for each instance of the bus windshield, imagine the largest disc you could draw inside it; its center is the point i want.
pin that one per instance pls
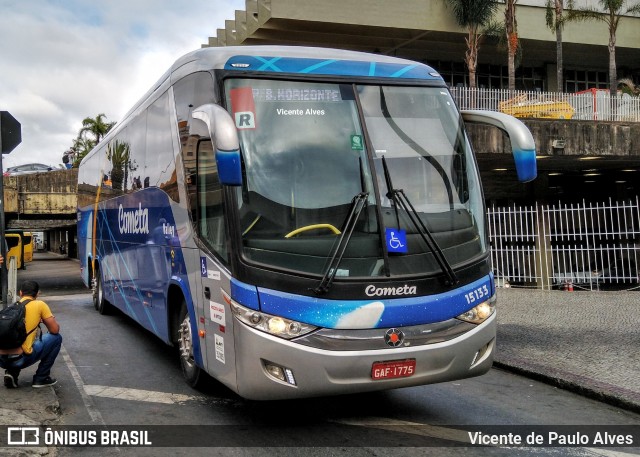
(310, 150)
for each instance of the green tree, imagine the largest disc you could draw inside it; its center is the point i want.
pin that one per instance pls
(81, 147)
(96, 127)
(610, 12)
(92, 131)
(627, 86)
(474, 16)
(556, 20)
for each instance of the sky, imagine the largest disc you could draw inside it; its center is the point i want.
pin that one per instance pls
(64, 60)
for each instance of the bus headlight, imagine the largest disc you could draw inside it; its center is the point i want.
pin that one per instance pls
(479, 313)
(274, 325)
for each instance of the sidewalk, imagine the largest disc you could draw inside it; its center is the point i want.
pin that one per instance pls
(586, 342)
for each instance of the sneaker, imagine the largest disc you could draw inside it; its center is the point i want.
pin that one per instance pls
(48, 381)
(10, 379)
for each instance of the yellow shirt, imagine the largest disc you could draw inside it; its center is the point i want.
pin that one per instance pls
(35, 312)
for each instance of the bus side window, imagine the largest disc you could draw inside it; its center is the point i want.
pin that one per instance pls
(160, 169)
(12, 241)
(211, 224)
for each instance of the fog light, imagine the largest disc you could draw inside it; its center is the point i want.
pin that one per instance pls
(482, 354)
(275, 371)
(280, 373)
(290, 379)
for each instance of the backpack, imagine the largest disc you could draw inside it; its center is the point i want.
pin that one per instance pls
(13, 330)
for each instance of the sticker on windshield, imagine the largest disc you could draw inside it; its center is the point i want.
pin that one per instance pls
(396, 240)
(243, 108)
(356, 143)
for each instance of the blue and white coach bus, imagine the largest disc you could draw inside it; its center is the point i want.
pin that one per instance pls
(298, 222)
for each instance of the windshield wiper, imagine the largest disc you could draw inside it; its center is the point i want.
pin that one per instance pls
(357, 204)
(401, 200)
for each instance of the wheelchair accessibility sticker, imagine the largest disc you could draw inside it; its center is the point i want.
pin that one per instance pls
(396, 240)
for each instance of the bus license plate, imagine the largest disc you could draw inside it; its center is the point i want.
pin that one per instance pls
(393, 369)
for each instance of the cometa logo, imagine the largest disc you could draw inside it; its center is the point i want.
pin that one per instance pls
(373, 291)
(133, 222)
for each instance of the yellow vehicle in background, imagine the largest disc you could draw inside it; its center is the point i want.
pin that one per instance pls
(536, 107)
(20, 245)
(27, 246)
(15, 248)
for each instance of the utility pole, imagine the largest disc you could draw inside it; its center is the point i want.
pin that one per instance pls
(10, 137)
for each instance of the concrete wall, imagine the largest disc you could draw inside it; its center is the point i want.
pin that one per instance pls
(587, 137)
(50, 193)
(581, 138)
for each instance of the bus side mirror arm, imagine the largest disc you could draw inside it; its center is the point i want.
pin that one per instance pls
(522, 144)
(213, 121)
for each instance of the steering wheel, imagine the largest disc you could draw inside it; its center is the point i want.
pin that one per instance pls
(313, 227)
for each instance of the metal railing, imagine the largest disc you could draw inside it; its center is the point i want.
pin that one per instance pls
(591, 104)
(588, 245)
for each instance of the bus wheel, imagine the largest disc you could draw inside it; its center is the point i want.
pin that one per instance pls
(192, 373)
(99, 302)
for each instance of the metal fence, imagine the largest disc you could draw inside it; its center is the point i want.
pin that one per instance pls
(591, 104)
(589, 246)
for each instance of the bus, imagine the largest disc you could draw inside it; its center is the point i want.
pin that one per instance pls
(22, 241)
(15, 248)
(298, 222)
(27, 245)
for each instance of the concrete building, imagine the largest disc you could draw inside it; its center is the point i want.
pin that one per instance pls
(426, 30)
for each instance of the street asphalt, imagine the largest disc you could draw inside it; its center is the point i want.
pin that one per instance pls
(585, 342)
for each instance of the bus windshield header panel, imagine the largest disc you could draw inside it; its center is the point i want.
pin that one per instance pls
(339, 67)
(317, 199)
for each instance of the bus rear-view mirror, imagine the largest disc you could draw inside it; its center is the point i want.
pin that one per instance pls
(522, 144)
(214, 122)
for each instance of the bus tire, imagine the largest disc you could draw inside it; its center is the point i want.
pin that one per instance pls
(99, 302)
(192, 373)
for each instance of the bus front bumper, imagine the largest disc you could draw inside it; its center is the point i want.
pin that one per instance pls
(312, 372)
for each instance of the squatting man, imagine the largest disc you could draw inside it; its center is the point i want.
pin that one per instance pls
(43, 348)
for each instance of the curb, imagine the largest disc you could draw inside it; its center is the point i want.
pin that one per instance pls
(581, 385)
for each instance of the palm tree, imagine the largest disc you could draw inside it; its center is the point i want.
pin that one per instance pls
(511, 31)
(611, 12)
(627, 86)
(555, 21)
(81, 147)
(472, 15)
(96, 127)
